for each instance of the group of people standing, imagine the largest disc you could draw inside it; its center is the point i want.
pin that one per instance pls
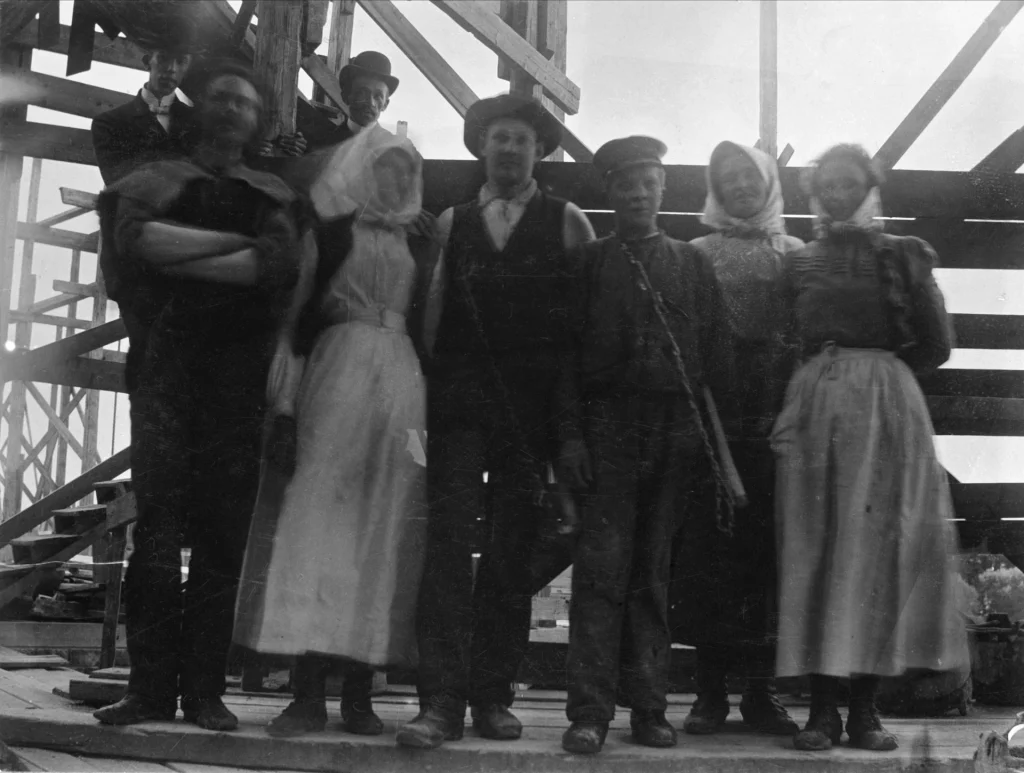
(293, 352)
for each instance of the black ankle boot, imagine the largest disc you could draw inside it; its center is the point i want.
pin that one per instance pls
(763, 711)
(824, 727)
(863, 725)
(357, 715)
(708, 713)
(308, 712)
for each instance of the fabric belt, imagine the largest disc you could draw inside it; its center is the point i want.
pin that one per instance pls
(376, 316)
(832, 353)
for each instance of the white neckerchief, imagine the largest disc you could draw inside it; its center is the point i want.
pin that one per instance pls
(160, 108)
(501, 216)
(356, 128)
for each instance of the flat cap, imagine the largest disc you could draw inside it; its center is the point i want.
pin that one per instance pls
(481, 114)
(626, 152)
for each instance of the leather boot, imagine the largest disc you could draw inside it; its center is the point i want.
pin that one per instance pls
(824, 727)
(763, 711)
(863, 725)
(308, 712)
(431, 728)
(585, 737)
(209, 713)
(650, 728)
(357, 715)
(134, 708)
(708, 713)
(497, 723)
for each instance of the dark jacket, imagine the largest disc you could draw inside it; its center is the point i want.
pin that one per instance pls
(618, 343)
(129, 136)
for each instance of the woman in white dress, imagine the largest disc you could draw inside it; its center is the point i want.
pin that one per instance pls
(334, 562)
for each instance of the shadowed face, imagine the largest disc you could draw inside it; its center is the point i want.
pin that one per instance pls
(230, 110)
(166, 70)
(841, 186)
(741, 186)
(510, 149)
(394, 171)
(635, 195)
(367, 97)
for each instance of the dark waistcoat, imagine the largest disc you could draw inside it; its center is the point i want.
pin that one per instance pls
(520, 293)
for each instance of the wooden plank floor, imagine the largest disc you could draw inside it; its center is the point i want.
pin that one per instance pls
(33, 719)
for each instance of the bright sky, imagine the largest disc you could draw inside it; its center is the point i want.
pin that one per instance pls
(687, 72)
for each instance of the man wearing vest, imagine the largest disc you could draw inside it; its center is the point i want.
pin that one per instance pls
(496, 327)
(632, 440)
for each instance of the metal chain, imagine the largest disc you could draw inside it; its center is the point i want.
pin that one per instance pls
(724, 501)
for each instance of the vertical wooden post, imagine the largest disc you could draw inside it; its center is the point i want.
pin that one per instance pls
(552, 36)
(339, 41)
(769, 112)
(277, 59)
(10, 185)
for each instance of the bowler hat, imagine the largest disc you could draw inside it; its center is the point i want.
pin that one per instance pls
(175, 34)
(371, 63)
(481, 114)
(626, 152)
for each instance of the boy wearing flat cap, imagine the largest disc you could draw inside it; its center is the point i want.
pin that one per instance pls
(632, 442)
(495, 328)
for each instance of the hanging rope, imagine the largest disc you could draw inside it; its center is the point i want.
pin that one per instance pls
(724, 500)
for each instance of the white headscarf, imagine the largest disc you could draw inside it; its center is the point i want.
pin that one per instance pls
(767, 222)
(348, 182)
(865, 218)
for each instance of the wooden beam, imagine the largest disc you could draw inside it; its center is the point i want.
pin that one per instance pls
(56, 302)
(61, 217)
(46, 141)
(948, 82)
(241, 24)
(276, 60)
(58, 237)
(65, 496)
(769, 77)
(1008, 156)
(437, 70)
(490, 30)
(119, 51)
(20, 367)
(67, 96)
(952, 382)
(339, 40)
(100, 375)
(989, 331)
(324, 80)
(977, 415)
(82, 199)
(58, 423)
(44, 319)
(91, 290)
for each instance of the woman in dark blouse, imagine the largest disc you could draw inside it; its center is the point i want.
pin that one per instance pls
(866, 551)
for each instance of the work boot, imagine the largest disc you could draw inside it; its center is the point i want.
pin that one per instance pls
(650, 728)
(496, 722)
(299, 718)
(824, 727)
(431, 728)
(209, 713)
(863, 725)
(134, 708)
(708, 713)
(357, 715)
(763, 711)
(585, 737)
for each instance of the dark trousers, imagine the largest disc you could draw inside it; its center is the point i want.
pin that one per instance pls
(196, 424)
(647, 459)
(472, 640)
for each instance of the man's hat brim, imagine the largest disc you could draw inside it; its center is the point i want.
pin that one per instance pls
(628, 152)
(481, 114)
(351, 71)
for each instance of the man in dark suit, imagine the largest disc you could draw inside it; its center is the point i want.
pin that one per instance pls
(156, 125)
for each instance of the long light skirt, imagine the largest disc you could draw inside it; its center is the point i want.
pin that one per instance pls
(867, 557)
(333, 564)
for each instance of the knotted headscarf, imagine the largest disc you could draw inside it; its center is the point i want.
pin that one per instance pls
(768, 221)
(866, 218)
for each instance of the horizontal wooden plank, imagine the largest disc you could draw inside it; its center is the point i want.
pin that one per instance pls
(85, 373)
(90, 290)
(65, 95)
(988, 501)
(76, 198)
(49, 319)
(119, 51)
(28, 635)
(48, 142)
(989, 331)
(974, 383)
(23, 366)
(11, 659)
(58, 237)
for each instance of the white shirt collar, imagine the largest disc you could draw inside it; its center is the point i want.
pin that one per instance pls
(356, 128)
(489, 194)
(157, 105)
